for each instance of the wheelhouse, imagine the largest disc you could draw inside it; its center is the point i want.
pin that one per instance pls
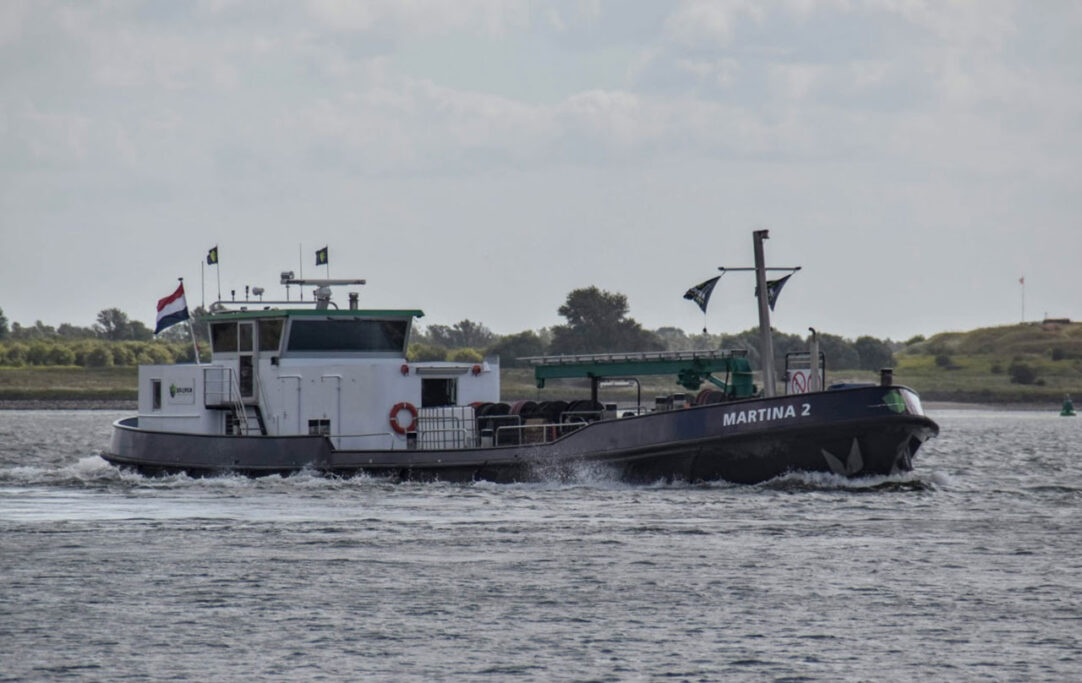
(340, 373)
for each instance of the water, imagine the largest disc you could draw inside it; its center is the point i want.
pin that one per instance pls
(968, 568)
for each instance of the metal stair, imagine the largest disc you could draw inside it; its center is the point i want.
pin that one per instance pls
(221, 390)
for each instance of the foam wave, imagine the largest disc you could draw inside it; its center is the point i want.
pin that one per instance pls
(86, 470)
(828, 481)
(92, 470)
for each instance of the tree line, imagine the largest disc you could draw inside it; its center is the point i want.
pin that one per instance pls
(114, 339)
(597, 321)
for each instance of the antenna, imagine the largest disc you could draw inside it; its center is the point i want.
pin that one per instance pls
(323, 286)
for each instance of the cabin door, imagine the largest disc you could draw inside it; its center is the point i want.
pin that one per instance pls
(246, 370)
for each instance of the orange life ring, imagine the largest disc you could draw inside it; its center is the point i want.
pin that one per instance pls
(398, 407)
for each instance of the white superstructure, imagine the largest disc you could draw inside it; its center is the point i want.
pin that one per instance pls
(342, 373)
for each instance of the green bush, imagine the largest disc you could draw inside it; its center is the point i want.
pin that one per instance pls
(524, 344)
(122, 355)
(157, 354)
(1022, 373)
(873, 353)
(466, 356)
(15, 354)
(37, 353)
(99, 356)
(60, 354)
(81, 349)
(425, 352)
(184, 353)
(138, 351)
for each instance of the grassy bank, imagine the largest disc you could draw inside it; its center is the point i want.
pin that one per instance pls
(985, 378)
(68, 383)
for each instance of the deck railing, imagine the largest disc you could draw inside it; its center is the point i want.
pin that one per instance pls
(221, 389)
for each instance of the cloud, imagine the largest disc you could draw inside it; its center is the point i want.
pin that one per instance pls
(421, 17)
(709, 23)
(13, 15)
(33, 138)
(988, 24)
(709, 82)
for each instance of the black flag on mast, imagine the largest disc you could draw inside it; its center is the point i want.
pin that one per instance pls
(321, 257)
(701, 292)
(773, 289)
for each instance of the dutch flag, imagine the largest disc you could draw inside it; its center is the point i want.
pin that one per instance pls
(172, 309)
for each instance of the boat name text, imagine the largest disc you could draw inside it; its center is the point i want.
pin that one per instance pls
(765, 414)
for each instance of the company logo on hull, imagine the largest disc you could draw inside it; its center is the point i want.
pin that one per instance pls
(174, 390)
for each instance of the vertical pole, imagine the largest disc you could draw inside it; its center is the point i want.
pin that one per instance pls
(300, 263)
(766, 341)
(191, 330)
(1022, 281)
(202, 287)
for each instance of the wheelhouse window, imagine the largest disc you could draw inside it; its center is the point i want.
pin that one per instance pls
(155, 394)
(270, 334)
(245, 341)
(349, 335)
(223, 337)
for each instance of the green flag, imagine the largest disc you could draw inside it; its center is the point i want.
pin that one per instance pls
(212, 256)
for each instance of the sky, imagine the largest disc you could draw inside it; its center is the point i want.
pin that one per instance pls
(480, 159)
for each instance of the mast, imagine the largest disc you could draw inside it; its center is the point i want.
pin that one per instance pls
(762, 293)
(766, 340)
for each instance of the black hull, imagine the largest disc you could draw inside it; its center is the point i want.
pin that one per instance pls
(853, 432)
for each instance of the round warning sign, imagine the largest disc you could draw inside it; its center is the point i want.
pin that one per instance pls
(798, 381)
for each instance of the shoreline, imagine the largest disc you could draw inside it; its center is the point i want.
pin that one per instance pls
(68, 404)
(132, 405)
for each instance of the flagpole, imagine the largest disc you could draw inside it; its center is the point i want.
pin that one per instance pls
(195, 347)
(202, 287)
(191, 330)
(219, 269)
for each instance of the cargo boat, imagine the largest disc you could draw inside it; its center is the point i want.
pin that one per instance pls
(295, 385)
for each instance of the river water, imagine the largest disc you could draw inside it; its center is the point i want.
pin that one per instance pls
(968, 568)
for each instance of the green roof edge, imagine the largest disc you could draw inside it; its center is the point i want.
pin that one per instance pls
(328, 312)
